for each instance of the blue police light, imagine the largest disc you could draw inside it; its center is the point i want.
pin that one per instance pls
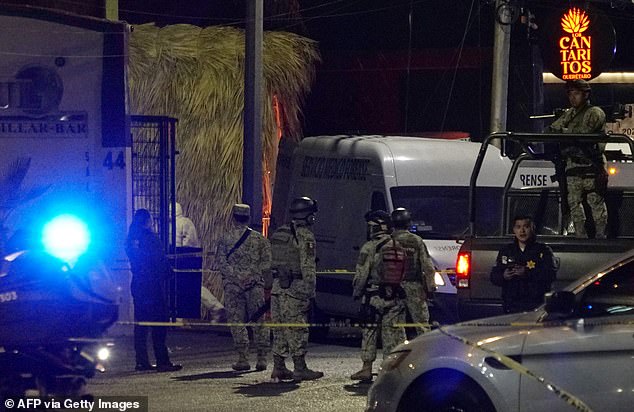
(66, 237)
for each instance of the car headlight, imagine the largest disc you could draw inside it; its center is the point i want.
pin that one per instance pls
(394, 359)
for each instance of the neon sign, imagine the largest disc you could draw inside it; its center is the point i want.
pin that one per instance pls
(580, 44)
(575, 46)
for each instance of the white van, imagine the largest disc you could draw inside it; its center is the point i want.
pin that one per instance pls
(349, 175)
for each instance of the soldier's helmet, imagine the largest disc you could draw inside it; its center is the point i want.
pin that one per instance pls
(578, 84)
(303, 207)
(241, 212)
(378, 223)
(401, 217)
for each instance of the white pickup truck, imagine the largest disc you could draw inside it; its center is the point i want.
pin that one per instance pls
(349, 175)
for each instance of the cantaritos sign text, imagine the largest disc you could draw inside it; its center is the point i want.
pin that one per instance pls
(581, 44)
(575, 47)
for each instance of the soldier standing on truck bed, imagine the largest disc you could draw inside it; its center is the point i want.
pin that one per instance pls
(294, 279)
(244, 259)
(418, 281)
(382, 305)
(585, 170)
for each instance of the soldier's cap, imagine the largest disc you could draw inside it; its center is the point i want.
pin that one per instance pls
(241, 209)
(578, 84)
(377, 216)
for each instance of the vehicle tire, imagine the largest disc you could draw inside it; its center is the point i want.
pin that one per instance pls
(445, 390)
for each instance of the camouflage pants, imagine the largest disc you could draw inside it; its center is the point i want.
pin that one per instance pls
(240, 305)
(385, 319)
(578, 186)
(290, 310)
(416, 303)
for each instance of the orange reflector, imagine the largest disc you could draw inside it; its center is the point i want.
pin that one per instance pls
(612, 170)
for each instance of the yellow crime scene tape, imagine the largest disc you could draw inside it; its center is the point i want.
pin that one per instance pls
(368, 325)
(569, 398)
(180, 324)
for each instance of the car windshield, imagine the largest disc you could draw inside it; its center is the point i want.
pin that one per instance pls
(442, 212)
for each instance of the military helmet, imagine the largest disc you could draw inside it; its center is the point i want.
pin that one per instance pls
(378, 223)
(302, 207)
(401, 217)
(378, 217)
(241, 209)
(578, 84)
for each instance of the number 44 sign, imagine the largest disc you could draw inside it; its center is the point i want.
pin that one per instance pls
(111, 162)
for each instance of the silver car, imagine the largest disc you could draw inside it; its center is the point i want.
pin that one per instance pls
(574, 352)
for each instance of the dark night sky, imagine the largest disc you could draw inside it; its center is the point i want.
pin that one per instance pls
(377, 24)
(349, 97)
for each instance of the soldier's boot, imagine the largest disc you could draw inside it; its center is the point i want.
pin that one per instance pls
(242, 363)
(302, 373)
(260, 365)
(365, 374)
(280, 372)
(600, 231)
(580, 229)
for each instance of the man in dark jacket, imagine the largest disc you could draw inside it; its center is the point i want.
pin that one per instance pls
(150, 272)
(524, 269)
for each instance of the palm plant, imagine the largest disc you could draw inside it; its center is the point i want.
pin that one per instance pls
(13, 194)
(197, 75)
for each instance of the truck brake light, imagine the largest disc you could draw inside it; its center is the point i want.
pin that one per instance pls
(463, 269)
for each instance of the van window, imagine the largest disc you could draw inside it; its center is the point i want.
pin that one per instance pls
(442, 212)
(378, 201)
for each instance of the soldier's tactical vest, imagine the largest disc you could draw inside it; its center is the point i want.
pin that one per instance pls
(585, 156)
(412, 266)
(285, 250)
(391, 262)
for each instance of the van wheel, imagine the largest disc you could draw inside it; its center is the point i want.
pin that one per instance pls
(445, 390)
(318, 331)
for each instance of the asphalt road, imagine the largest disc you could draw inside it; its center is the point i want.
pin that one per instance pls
(207, 382)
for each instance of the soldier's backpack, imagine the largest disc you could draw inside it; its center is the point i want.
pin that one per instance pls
(391, 261)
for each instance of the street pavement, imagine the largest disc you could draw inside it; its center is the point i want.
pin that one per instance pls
(207, 382)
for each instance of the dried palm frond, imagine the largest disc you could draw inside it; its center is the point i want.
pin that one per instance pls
(197, 75)
(12, 192)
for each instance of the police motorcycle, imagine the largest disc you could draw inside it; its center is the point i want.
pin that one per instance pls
(56, 301)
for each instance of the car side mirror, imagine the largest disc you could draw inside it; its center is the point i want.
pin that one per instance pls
(560, 302)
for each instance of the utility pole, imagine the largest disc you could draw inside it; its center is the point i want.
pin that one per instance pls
(501, 51)
(252, 141)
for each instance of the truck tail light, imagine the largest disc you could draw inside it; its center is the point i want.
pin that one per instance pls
(463, 269)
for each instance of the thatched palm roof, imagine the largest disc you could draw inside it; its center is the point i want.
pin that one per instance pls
(197, 75)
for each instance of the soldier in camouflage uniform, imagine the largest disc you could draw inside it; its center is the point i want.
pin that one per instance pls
(418, 282)
(244, 257)
(586, 174)
(379, 312)
(294, 277)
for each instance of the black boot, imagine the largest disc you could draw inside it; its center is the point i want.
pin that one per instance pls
(280, 372)
(302, 373)
(242, 364)
(365, 374)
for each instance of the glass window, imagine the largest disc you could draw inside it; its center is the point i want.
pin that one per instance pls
(442, 212)
(613, 294)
